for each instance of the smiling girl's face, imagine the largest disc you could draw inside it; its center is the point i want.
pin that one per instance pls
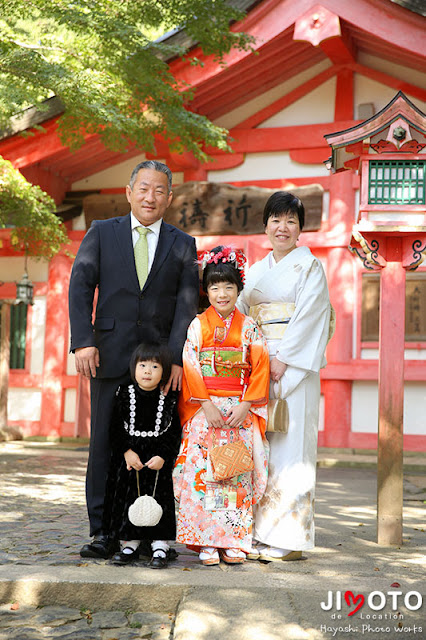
(223, 297)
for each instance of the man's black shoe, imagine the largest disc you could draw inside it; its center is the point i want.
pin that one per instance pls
(101, 547)
(122, 558)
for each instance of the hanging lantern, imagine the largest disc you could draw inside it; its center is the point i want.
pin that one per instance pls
(24, 290)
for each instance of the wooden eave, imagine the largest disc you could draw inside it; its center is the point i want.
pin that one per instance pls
(399, 107)
(376, 27)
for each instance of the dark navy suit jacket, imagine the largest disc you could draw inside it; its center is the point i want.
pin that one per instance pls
(125, 315)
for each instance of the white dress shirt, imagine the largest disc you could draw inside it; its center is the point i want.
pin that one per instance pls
(152, 238)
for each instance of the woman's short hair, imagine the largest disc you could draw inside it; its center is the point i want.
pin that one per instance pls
(158, 353)
(221, 272)
(282, 202)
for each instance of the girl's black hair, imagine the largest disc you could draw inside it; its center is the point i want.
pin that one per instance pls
(158, 353)
(221, 272)
(282, 202)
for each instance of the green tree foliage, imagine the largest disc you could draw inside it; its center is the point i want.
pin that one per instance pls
(36, 229)
(101, 59)
(104, 61)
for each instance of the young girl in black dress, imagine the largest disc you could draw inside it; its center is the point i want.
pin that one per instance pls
(145, 438)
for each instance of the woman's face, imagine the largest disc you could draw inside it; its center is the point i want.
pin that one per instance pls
(223, 296)
(148, 374)
(283, 230)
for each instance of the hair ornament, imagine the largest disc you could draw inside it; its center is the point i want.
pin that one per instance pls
(227, 254)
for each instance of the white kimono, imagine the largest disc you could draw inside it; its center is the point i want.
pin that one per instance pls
(284, 517)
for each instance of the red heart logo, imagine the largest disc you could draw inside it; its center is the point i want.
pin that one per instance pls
(359, 598)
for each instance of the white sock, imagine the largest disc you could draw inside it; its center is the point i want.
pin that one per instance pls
(129, 546)
(159, 548)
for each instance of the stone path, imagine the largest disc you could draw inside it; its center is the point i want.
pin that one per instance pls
(32, 623)
(43, 524)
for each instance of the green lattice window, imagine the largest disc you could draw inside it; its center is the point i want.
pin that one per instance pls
(397, 182)
(18, 330)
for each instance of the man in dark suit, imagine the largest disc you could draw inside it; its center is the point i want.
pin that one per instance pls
(127, 314)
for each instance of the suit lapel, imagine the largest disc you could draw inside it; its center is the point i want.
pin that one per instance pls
(165, 243)
(123, 234)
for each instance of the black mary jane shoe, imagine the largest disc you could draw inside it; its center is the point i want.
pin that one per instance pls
(122, 558)
(161, 561)
(101, 547)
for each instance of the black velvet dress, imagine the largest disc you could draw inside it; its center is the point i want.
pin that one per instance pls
(133, 426)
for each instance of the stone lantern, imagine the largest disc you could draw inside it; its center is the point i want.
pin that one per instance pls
(389, 152)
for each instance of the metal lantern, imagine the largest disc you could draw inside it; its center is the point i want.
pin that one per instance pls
(24, 290)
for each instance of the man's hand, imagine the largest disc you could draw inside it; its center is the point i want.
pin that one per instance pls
(175, 380)
(277, 369)
(86, 361)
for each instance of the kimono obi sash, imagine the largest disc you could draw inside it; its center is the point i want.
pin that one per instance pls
(272, 318)
(224, 368)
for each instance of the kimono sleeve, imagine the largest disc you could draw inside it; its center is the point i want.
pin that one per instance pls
(258, 385)
(305, 339)
(193, 387)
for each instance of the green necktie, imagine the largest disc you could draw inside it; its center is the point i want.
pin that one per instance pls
(141, 255)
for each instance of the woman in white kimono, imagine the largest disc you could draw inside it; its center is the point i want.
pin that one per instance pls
(287, 294)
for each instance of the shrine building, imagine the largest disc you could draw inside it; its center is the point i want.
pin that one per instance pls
(321, 68)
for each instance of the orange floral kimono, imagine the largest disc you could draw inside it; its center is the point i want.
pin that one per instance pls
(225, 360)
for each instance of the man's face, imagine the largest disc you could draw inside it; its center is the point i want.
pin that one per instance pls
(150, 196)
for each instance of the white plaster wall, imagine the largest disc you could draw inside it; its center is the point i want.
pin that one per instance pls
(365, 410)
(71, 371)
(117, 176)
(234, 117)
(37, 334)
(409, 354)
(79, 223)
(407, 74)
(367, 90)
(23, 404)
(314, 108)
(267, 166)
(69, 405)
(12, 269)
(111, 178)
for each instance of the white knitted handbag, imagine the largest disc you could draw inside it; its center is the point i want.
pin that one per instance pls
(145, 511)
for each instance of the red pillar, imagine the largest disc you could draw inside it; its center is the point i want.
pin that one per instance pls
(338, 393)
(56, 338)
(391, 396)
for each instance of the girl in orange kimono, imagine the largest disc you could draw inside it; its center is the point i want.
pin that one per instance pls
(224, 396)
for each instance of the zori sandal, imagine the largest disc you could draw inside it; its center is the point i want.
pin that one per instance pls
(209, 556)
(232, 556)
(273, 554)
(255, 551)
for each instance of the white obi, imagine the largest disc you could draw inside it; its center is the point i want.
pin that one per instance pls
(272, 318)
